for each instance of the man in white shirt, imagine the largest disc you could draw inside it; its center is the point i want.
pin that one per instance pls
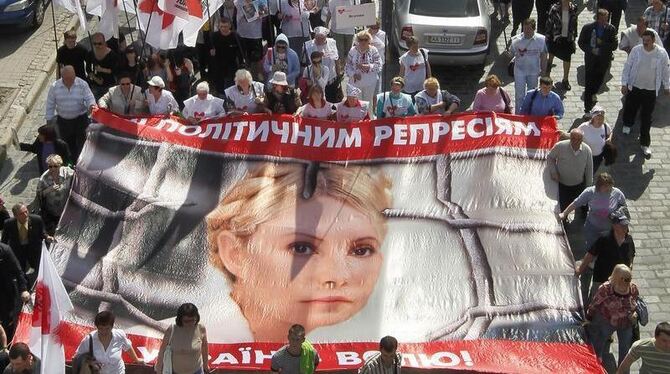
(72, 99)
(632, 36)
(530, 60)
(202, 105)
(645, 72)
(160, 100)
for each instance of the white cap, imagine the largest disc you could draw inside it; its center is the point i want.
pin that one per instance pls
(321, 31)
(353, 91)
(279, 78)
(156, 81)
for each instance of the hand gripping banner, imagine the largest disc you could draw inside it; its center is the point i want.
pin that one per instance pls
(438, 230)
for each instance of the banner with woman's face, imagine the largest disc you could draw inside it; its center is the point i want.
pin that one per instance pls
(440, 231)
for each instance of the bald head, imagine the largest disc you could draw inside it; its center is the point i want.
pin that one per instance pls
(67, 74)
(576, 137)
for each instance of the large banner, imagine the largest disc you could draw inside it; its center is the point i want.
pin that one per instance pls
(438, 230)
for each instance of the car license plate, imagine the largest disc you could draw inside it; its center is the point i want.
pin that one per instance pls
(445, 39)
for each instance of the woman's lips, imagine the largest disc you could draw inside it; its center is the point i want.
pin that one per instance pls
(329, 299)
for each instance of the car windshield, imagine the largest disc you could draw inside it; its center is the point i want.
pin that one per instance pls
(444, 8)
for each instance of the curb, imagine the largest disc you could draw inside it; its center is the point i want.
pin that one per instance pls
(21, 111)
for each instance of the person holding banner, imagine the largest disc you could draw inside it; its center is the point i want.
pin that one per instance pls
(298, 356)
(388, 360)
(395, 103)
(317, 106)
(158, 99)
(363, 66)
(202, 105)
(277, 218)
(246, 96)
(352, 109)
(124, 99)
(281, 98)
(432, 100)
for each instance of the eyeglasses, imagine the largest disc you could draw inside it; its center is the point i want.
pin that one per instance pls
(53, 166)
(627, 280)
(98, 43)
(124, 84)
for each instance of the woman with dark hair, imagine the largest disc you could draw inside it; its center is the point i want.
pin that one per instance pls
(107, 345)
(45, 144)
(187, 340)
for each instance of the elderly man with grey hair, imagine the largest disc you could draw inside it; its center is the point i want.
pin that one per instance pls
(570, 163)
(70, 97)
(202, 105)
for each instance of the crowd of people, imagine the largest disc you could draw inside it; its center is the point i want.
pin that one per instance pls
(291, 62)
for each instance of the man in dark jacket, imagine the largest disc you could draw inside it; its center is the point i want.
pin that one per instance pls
(24, 234)
(46, 144)
(12, 286)
(598, 40)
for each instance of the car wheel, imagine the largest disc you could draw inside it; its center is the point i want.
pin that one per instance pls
(38, 17)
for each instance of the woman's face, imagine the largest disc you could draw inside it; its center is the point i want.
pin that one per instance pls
(315, 264)
(598, 120)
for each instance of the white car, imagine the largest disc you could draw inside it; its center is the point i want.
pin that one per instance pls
(456, 32)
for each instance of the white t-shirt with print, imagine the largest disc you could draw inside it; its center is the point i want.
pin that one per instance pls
(309, 111)
(210, 107)
(350, 114)
(415, 70)
(245, 103)
(595, 137)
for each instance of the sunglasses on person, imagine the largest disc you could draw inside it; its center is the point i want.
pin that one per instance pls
(124, 84)
(98, 43)
(53, 166)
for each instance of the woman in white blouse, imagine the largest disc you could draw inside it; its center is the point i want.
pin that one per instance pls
(246, 96)
(317, 106)
(108, 344)
(160, 100)
(363, 66)
(596, 133)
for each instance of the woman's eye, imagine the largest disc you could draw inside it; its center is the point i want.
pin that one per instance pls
(363, 251)
(304, 249)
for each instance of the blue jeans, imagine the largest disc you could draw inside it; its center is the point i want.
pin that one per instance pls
(600, 330)
(522, 83)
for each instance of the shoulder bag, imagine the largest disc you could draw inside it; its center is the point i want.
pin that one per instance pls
(85, 363)
(425, 60)
(609, 149)
(167, 354)
(506, 100)
(642, 312)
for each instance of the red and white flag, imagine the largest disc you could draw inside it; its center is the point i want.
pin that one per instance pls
(194, 24)
(73, 6)
(161, 29)
(184, 9)
(52, 304)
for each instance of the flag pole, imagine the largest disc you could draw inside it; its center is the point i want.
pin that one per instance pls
(53, 18)
(125, 10)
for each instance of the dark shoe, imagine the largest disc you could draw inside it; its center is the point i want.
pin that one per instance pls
(566, 85)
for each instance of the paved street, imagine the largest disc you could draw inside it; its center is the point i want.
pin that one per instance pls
(644, 182)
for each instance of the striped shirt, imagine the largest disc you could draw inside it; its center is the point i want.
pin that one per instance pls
(654, 361)
(375, 365)
(70, 103)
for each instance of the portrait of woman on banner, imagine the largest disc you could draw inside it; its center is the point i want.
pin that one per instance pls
(300, 248)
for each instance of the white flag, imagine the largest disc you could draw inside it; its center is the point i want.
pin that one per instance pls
(191, 29)
(73, 6)
(52, 304)
(108, 11)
